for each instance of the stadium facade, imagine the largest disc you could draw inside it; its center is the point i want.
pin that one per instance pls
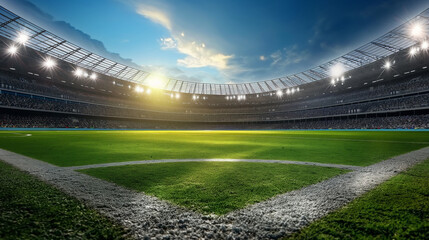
(46, 81)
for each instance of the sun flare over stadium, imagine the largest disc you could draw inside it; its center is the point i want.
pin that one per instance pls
(141, 119)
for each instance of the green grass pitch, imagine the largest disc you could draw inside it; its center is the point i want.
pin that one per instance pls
(73, 148)
(214, 187)
(397, 209)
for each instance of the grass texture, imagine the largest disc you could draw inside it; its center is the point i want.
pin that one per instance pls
(397, 209)
(74, 148)
(214, 187)
(32, 209)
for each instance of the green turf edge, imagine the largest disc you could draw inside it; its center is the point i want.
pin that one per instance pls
(214, 187)
(397, 209)
(32, 209)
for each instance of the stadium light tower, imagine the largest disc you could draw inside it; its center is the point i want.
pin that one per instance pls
(12, 50)
(49, 63)
(22, 38)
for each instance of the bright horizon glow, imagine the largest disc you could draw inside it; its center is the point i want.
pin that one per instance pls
(155, 81)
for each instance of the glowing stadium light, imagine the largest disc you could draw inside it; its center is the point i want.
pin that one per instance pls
(297, 89)
(177, 95)
(425, 45)
(417, 30)
(139, 89)
(288, 91)
(148, 91)
(342, 79)
(194, 97)
(171, 95)
(49, 63)
(413, 51)
(78, 72)
(93, 76)
(85, 74)
(387, 65)
(292, 91)
(279, 93)
(22, 38)
(12, 50)
(337, 70)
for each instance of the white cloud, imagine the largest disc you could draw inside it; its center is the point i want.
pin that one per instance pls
(155, 15)
(168, 43)
(198, 54)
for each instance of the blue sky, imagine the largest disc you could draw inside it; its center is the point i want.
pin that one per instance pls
(219, 41)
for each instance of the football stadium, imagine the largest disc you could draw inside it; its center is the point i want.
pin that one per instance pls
(93, 146)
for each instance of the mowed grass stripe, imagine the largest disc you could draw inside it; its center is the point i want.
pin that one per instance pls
(214, 187)
(75, 148)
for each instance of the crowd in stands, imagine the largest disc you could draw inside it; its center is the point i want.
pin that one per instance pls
(15, 100)
(22, 93)
(38, 120)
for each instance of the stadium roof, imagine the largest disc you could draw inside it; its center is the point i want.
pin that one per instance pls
(402, 37)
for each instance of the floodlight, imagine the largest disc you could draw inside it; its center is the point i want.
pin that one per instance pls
(333, 81)
(413, 51)
(387, 65)
(78, 72)
(49, 63)
(337, 70)
(171, 95)
(139, 89)
(279, 93)
(288, 91)
(417, 30)
(177, 95)
(93, 76)
(425, 45)
(85, 74)
(148, 91)
(12, 50)
(293, 90)
(297, 89)
(194, 97)
(22, 38)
